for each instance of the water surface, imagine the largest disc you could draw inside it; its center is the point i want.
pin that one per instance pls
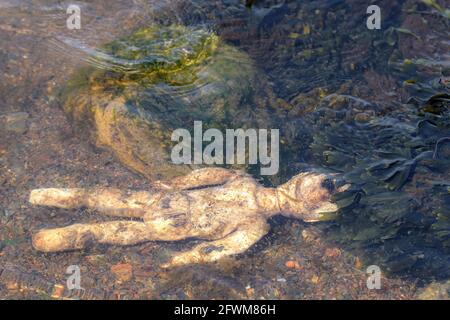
(347, 99)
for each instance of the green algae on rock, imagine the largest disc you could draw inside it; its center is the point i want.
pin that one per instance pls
(143, 86)
(159, 54)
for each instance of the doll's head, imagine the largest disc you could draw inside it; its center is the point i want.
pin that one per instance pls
(308, 196)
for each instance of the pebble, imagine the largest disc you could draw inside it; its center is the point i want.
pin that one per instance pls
(16, 122)
(6, 212)
(122, 271)
(293, 265)
(358, 263)
(250, 291)
(362, 117)
(95, 258)
(309, 235)
(58, 291)
(12, 285)
(332, 252)
(315, 279)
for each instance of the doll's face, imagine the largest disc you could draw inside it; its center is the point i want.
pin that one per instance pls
(310, 194)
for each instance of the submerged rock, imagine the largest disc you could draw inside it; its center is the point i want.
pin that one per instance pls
(142, 87)
(16, 122)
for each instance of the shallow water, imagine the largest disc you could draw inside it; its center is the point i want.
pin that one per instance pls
(345, 98)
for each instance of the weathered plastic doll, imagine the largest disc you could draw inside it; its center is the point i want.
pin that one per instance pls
(225, 208)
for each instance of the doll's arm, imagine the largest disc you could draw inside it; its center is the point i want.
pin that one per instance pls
(199, 178)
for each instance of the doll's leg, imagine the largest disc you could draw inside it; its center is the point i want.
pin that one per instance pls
(235, 243)
(77, 236)
(110, 201)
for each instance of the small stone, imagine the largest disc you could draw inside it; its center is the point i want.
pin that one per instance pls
(309, 235)
(58, 291)
(306, 29)
(250, 291)
(358, 263)
(122, 271)
(189, 294)
(284, 104)
(362, 117)
(7, 213)
(12, 286)
(95, 258)
(305, 234)
(332, 252)
(290, 264)
(293, 265)
(16, 122)
(315, 279)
